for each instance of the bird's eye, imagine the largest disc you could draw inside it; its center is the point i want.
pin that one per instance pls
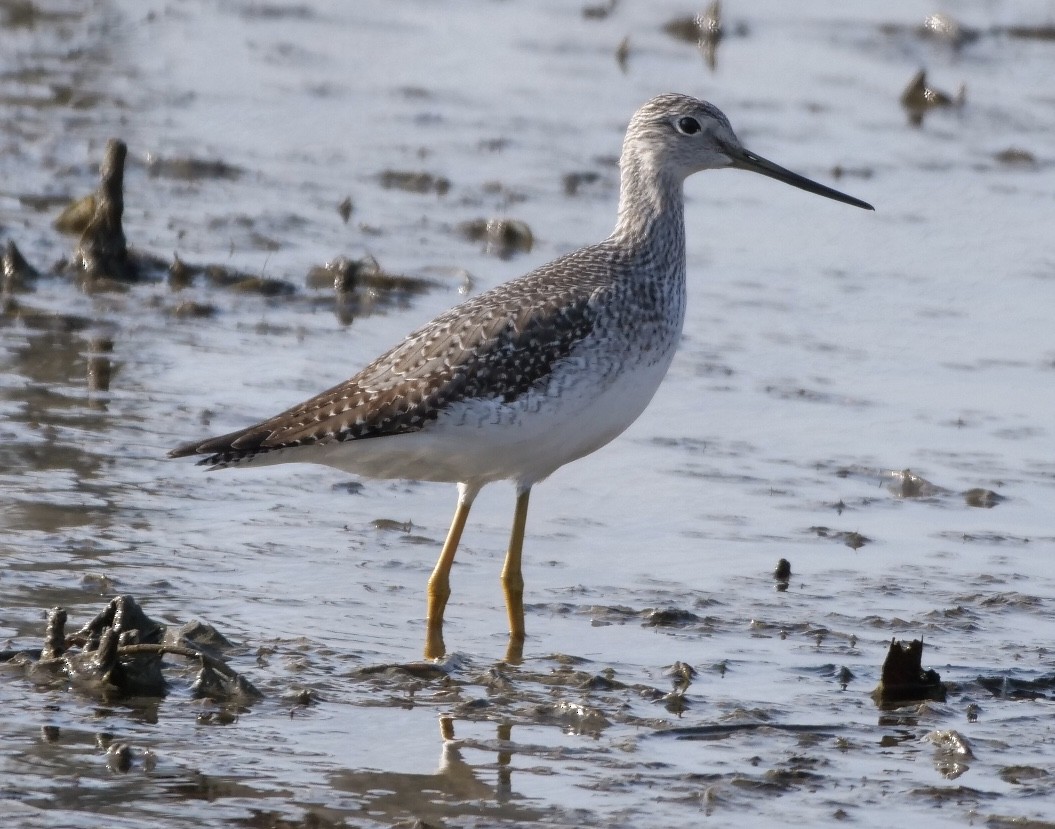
(688, 126)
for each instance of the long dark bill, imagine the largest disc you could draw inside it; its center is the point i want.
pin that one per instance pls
(746, 160)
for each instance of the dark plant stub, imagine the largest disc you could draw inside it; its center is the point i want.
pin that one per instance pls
(103, 252)
(903, 679)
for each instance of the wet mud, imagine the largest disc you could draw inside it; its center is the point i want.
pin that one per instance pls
(211, 212)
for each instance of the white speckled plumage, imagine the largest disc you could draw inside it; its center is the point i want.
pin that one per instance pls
(534, 373)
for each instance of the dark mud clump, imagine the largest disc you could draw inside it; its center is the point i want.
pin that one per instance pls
(599, 11)
(907, 484)
(345, 208)
(231, 279)
(671, 617)
(1031, 32)
(181, 275)
(103, 260)
(983, 498)
(1006, 686)
(191, 169)
(362, 286)
(903, 678)
(573, 182)
(682, 674)
(345, 275)
(501, 237)
(1016, 157)
(919, 98)
(16, 274)
(415, 182)
(852, 539)
(782, 574)
(75, 216)
(103, 252)
(705, 27)
(622, 54)
(706, 30)
(120, 653)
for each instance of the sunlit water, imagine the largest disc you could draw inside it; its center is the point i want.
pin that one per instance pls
(825, 350)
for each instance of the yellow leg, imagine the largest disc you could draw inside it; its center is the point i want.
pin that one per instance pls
(446, 727)
(439, 589)
(513, 579)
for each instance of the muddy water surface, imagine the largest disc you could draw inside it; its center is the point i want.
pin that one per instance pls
(826, 352)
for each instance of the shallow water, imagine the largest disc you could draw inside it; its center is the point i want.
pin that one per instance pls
(826, 350)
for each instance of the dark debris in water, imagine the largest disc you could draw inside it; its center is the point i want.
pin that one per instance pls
(104, 261)
(573, 182)
(682, 675)
(919, 98)
(75, 216)
(670, 617)
(904, 679)
(984, 498)
(415, 182)
(501, 237)
(16, 274)
(424, 671)
(192, 309)
(345, 208)
(989, 537)
(1024, 775)
(706, 27)
(1011, 687)
(599, 11)
(186, 168)
(719, 731)
(344, 275)
(1016, 157)
(232, 279)
(622, 54)
(852, 539)
(943, 28)
(120, 652)
(792, 392)
(782, 574)
(705, 30)
(102, 253)
(908, 485)
(577, 717)
(1043, 32)
(360, 286)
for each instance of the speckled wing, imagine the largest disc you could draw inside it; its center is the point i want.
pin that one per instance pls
(498, 345)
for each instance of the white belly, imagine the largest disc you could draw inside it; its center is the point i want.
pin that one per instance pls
(480, 441)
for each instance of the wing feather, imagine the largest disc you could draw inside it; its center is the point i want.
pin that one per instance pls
(498, 344)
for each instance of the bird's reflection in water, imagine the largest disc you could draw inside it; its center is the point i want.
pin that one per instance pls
(456, 788)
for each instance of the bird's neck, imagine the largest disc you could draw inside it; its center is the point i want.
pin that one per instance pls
(651, 208)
